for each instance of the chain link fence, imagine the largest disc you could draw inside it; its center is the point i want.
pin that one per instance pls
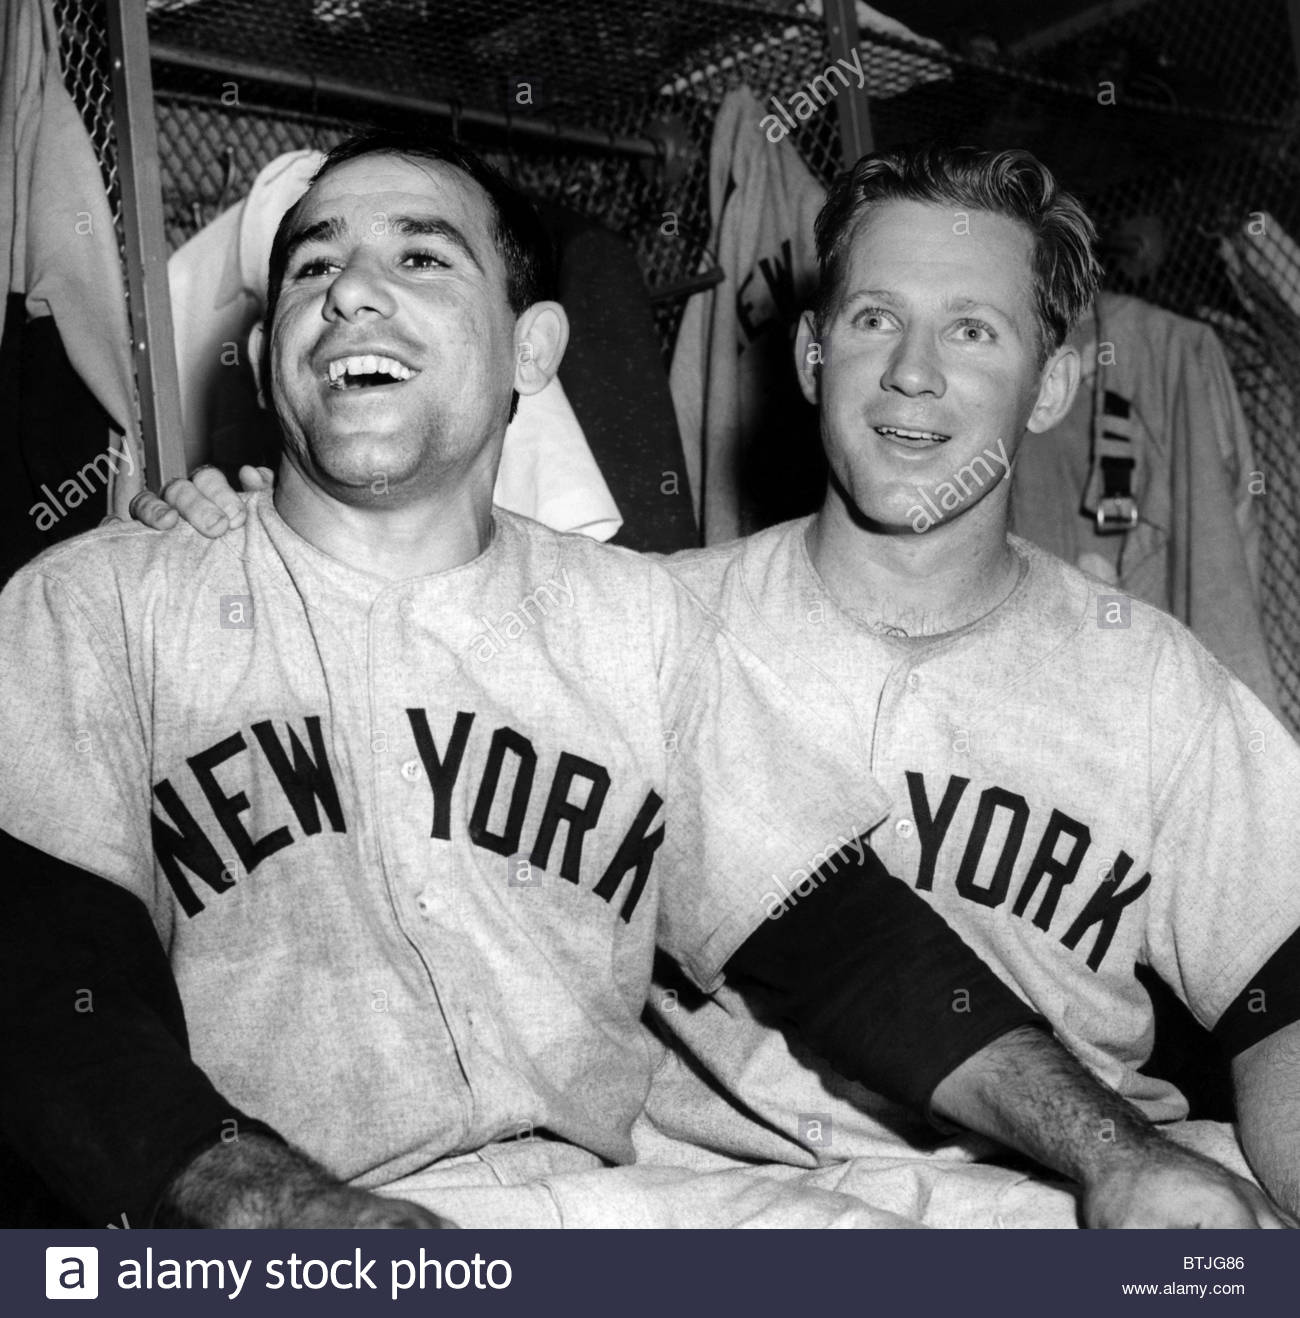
(627, 69)
(83, 50)
(1177, 121)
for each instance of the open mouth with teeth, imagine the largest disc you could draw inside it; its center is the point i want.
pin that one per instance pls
(367, 372)
(912, 438)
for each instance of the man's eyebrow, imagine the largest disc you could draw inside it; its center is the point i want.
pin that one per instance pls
(875, 294)
(950, 304)
(323, 231)
(975, 304)
(406, 226)
(414, 226)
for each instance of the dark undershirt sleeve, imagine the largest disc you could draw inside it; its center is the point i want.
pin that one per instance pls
(875, 982)
(1268, 1003)
(100, 1098)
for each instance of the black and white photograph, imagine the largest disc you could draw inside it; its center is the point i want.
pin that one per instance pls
(677, 615)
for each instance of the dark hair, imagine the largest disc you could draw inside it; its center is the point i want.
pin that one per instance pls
(1011, 183)
(516, 228)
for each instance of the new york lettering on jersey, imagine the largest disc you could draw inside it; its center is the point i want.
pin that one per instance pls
(1033, 863)
(985, 832)
(288, 771)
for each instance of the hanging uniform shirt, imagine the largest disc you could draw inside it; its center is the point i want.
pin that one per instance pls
(1076, 785)
(1160, 385)
(57, 231)
(750, 438)
(1264, 352)
(410, 846)
(613, 373)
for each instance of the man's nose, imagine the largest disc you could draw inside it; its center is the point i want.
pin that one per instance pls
(914, 366)
(359, 290)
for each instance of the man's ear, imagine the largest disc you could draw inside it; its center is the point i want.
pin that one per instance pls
(809, 357)
(541, 335)
(256, 340)
(1057, 387)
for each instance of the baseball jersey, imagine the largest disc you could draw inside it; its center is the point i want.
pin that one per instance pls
(410, 845)
(1076, 785)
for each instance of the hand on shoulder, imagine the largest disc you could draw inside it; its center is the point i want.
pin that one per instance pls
(206, 500)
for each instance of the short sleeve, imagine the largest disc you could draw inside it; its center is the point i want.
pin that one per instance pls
(1226, 858)
(763, 790)
(74, 780)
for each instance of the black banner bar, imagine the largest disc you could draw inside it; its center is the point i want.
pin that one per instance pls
(628, 1274)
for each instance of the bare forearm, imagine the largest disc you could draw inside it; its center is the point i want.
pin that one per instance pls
(256, 1182)
(250, 1182)
(1274, 1156)
(843, 968)
(1267, 1083)
(1027, 1091)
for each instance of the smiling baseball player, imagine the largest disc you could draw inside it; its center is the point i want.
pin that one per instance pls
(410, 791)
(1076, 784)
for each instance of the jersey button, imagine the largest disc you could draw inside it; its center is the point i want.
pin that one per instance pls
(904, 828)
(424, 902)
(411, 770)
(913, 681)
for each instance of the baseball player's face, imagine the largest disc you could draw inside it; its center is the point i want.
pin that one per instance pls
(929, 374)
(392, 350)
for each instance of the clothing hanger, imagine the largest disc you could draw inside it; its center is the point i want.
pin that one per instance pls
(227, 178)
(683, 288)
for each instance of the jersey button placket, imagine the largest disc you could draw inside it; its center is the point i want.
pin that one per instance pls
(894, 709)
(402, 827)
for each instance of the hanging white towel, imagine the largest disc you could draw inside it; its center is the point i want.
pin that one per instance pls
(56, 225)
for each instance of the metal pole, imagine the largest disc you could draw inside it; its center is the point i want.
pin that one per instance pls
(519, 128)
(146, 244)
(1293, 12)
(855, 118)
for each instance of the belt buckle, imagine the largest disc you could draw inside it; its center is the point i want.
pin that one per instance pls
(1117, 512)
